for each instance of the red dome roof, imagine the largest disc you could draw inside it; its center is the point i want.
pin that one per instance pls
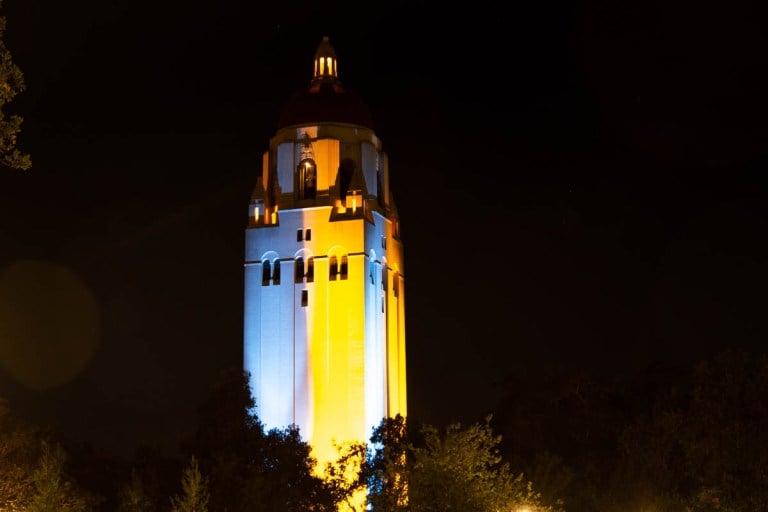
(326, 100)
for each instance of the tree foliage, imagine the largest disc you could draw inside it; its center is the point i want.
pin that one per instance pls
(133, 496)
(19, 453)
(344, 478)
(33, 477)
(666, 438)
(194, 495)
(455, 469)
(386, 473)
(249, 467)
(53, 491)
(704, 444)
(11, 84)
(560, 427)
(694, 439)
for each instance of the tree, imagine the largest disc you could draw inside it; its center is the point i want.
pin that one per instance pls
(704, 444)
(561, 427)
(53, 491)
(32, 470)
(250, 468)
(457, 469)
(194, 491)
(345, 479)
(132, 496)
(19, 452)
(11, 84)
(290, 483)
(386, 471)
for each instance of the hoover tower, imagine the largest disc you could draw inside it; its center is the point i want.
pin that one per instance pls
(324, 320)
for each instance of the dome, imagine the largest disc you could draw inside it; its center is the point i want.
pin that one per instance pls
(325, 100)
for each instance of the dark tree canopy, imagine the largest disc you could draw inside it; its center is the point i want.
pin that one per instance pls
(248, 467)
(11, 84)
(458, 468)
(667, 438)
(34, 472)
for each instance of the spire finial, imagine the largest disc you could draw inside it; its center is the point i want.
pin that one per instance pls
(326, 66)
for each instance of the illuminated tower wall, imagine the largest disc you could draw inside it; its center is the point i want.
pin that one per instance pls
(324, 279)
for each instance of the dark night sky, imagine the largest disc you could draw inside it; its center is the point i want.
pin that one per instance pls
(580, 184)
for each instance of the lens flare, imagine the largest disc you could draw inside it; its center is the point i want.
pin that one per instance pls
(49, 323)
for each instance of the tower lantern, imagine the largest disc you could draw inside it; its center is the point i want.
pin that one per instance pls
(324, 319)
(326, 65)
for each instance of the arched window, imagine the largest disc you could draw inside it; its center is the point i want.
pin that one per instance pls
(270, 271)
(343, 267)
(333, 268)
(310, 269)
(306, 179)
(299, 270)
(266, 273)
(338, 267)
(304, 269)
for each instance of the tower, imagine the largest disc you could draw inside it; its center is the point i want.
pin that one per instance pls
(324, 320)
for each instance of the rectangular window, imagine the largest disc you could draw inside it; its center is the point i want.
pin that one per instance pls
(304, 298)
(276, 273)
(383, 242)
(395, 286)
(384, 277)
(299, 234)
(308, 235)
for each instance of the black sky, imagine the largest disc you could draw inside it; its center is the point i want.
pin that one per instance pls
(580, 184)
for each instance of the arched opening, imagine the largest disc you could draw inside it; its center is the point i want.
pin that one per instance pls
(266, 273)
(306, 179)
(310, 269)
(344, 267)
(333, 268)
(299, 270)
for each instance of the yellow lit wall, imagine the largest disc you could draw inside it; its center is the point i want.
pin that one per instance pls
(327, 159)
